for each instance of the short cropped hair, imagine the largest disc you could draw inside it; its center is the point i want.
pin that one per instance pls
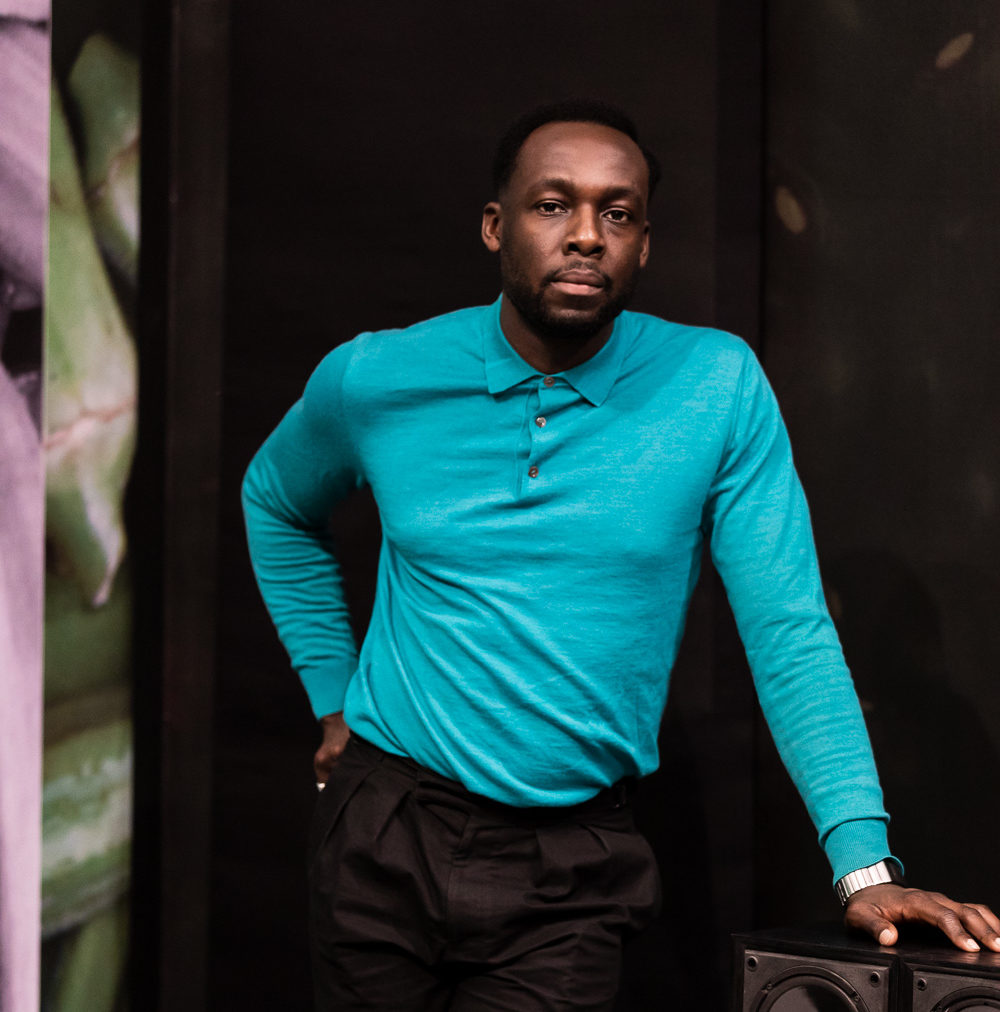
(578, 110)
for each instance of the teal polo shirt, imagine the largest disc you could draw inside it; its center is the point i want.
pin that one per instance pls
(542, 536)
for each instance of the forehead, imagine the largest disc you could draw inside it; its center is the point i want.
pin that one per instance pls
(587, 154)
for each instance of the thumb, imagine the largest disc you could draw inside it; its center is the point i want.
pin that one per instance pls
(867, 917)
(323, 762)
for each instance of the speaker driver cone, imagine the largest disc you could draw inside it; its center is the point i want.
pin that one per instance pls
(972, 999)
(809, 989)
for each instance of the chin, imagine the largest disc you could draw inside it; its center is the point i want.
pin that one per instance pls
(573, 327)
(576, 324)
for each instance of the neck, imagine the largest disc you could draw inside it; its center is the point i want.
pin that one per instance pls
(545, 352)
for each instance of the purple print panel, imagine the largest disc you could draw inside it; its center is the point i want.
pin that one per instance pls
(89, 437)
(24, 102)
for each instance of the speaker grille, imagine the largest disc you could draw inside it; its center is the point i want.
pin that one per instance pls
(778, 982)
(824, 968)
(953, 992)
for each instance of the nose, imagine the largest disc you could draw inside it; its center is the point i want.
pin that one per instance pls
(583, 233)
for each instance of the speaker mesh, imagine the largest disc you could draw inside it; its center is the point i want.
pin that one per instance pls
(779, 982)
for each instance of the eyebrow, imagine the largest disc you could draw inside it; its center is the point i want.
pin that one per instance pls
(559, 183)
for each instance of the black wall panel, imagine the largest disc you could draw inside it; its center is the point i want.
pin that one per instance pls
(881, 323)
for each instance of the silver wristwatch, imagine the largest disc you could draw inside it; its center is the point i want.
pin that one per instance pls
(875, 874)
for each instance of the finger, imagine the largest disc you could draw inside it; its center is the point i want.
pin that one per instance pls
(974, 923)
(868, 917)
(982, 923)
(940, 911)
(991, 918)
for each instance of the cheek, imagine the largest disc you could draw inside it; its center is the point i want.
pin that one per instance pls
(522, 256)
(633, 256)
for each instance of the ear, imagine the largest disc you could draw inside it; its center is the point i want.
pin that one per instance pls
(491, 226)
(644, 252)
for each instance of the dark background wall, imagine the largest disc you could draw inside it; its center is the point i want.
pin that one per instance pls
(360, 139)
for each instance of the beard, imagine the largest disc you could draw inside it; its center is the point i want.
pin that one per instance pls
(562, 324)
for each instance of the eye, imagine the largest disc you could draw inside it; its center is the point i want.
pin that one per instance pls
(618, 215)
(549, 207)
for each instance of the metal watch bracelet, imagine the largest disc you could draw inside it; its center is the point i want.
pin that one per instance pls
(875, 874)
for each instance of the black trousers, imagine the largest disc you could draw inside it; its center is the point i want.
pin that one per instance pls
(426, 896)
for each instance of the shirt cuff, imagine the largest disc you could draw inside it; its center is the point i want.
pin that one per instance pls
(857, 844)
(326, 684)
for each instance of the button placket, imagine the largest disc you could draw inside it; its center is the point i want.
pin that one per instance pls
(525, 466)
(539, 421)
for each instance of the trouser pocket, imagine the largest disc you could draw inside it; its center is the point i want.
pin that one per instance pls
(346, 777)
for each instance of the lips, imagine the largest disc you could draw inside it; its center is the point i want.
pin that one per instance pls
(577, 281)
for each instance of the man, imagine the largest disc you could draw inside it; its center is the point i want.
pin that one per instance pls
(546, 470)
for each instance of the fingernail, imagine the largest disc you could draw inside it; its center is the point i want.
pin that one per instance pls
(971, 945)
(885, 938)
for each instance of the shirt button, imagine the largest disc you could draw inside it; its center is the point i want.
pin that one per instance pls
(549, 380)
(540, 422)
(532, 471)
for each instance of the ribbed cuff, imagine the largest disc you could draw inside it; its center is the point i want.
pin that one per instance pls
(326, 684)
(857, 844)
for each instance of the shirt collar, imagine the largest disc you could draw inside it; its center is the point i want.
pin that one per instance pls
(592, 379)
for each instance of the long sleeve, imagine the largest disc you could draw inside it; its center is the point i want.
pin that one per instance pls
(762, 545)
(303, 469)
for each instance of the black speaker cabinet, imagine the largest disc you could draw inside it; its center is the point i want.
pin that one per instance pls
(827, 969)
(821, 969)
(954, 983)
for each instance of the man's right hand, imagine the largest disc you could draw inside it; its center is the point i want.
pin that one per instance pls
(335, 735)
